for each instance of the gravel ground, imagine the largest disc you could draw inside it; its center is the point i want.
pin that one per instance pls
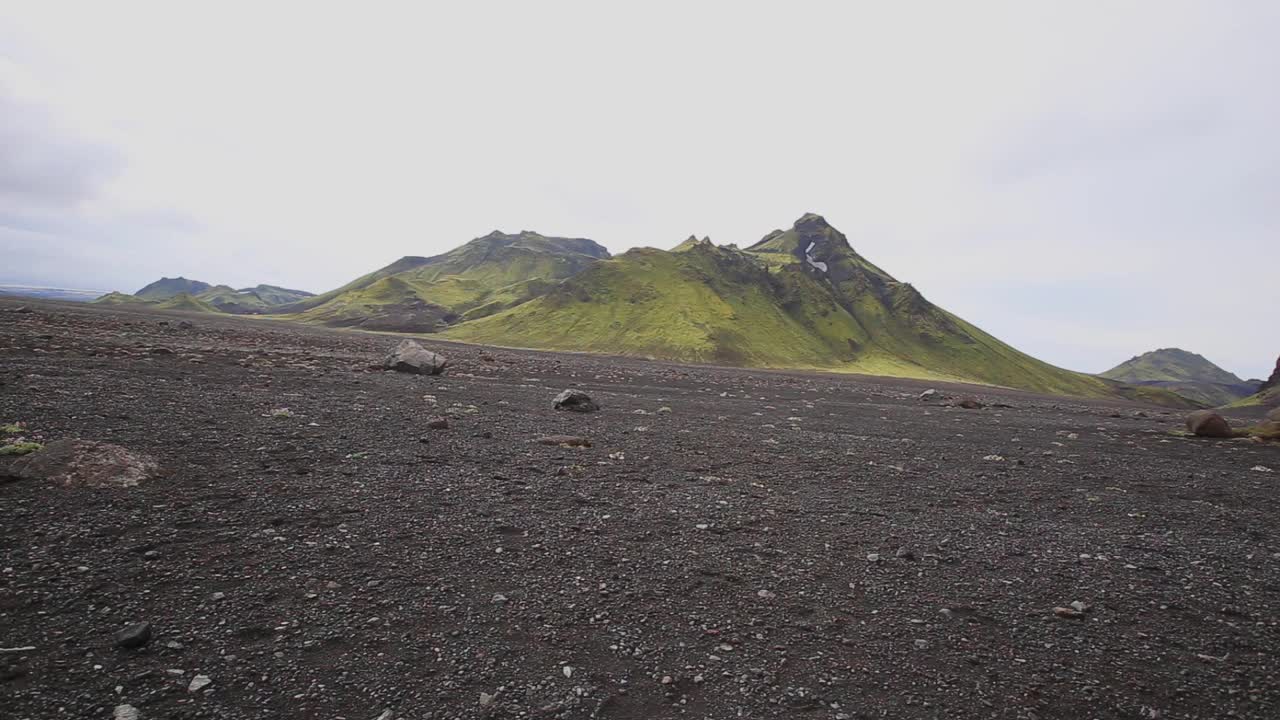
(734, 544)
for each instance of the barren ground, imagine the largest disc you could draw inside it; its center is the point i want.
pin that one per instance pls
(777, 545)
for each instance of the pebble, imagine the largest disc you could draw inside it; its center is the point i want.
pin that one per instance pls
(873, 557)
(134, 636)
(125, 712)
(567, 670)
(199, 682)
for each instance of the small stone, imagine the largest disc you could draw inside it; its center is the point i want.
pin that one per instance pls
(905, 554)
(567, 670)
(873, 557)
(485, 699)
(667, 680)
(217, 596)
(134, 636)
(1068, 613)
(993, 458)
(1262, 468)
(126, 712)
(970, 404)
(1078, 606)
(498, 598)
(151, 554)
(199, 682)
(438, 423)
(930, 394)
(922, 644)
(766, 594)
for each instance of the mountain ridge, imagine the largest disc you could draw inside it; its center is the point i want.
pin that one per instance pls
(1185, 373)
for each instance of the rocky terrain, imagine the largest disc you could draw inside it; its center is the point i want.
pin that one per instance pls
(327, 540)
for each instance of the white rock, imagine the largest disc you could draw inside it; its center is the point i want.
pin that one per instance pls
(1262, 468)
(567, 670)
(126, 712)
(199, 682)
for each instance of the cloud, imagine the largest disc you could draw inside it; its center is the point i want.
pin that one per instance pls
(43, 165)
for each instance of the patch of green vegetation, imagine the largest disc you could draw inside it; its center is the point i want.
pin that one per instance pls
(20, 448)
(12, 429)
(119, 298)
(186, 303)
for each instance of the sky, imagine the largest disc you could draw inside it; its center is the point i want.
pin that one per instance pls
(1086, 181)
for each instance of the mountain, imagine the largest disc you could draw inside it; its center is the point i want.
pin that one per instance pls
(1185, 373)
(800, 298)
(165, 288)
(254, 300)
(195, 296)
(426, 294)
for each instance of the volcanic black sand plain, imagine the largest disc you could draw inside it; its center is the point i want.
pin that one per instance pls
(734, 544)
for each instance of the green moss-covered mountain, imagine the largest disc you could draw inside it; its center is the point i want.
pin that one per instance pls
(1184, 373)
(196, 296)
(165, 288)
(427, 294)
(800, 298)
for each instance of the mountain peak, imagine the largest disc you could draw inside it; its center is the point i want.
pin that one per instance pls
(810, 222)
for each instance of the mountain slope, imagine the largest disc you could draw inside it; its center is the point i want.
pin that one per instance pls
(165, 288)
(1182, 372)
(1268, 394)
(798, 298)
(425, 294)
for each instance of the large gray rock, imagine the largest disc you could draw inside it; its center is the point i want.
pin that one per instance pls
(85, 463)
(1274, 415)
(1207, 423)
(410, 357)
(575, 400)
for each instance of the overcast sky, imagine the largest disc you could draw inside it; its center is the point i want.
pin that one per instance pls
(1086, 181)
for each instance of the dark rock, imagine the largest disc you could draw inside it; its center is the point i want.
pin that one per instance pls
(905, 554)
(438, 423)
(970, 404)
(1207, 423)
(575, 400)
(161, 351)
(134, 636)
(186, 325)
(1274, 415)
(24, 309)
(410, 357)
(85, 463)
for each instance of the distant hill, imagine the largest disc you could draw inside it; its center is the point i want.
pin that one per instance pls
(165, 288)
(800, 297)
(197, 296)
(427, 294)
(1185, 373)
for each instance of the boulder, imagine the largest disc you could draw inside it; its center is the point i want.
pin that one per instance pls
(931, 394)
(1274, 415)
(410, 357)
(575, 400)
(85, 463)
(970, 404)
(1207, 423)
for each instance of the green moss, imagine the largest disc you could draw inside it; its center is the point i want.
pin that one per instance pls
(12, 429)
(20, 448)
